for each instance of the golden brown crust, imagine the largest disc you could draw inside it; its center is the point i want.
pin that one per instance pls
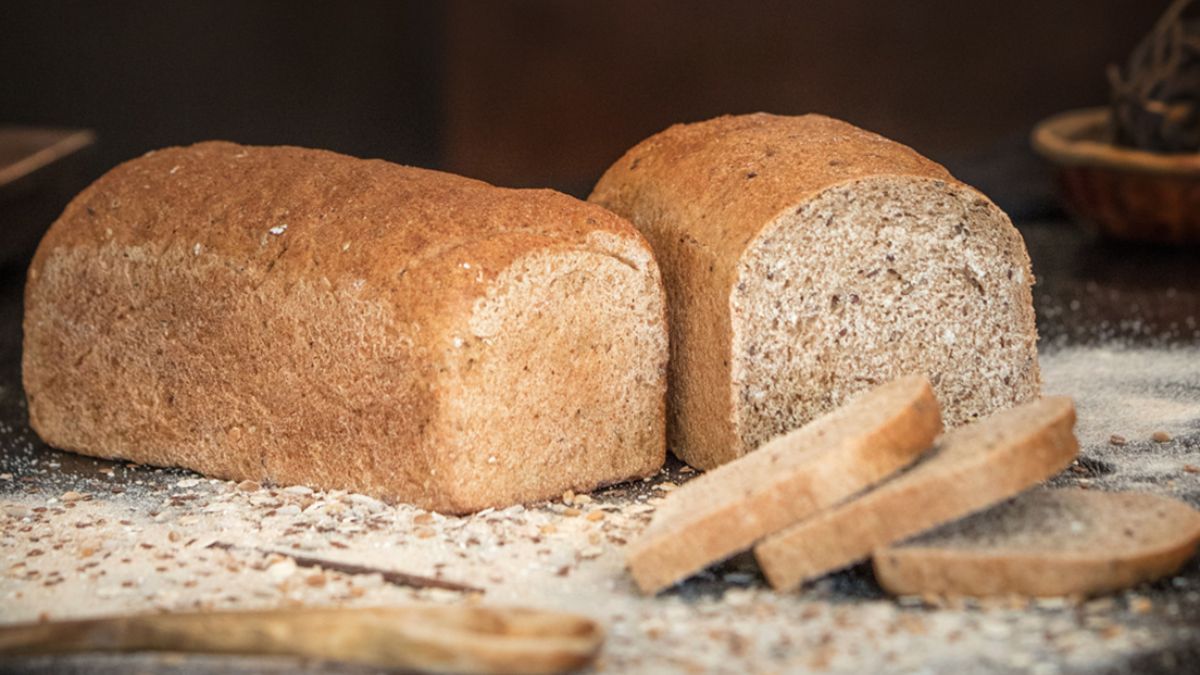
(300, 316)
(701, 193)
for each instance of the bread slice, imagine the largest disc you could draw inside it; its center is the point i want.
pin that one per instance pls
(726, 510)
(971, 468)
(806, 260)
(297, 316)
(1047, 543)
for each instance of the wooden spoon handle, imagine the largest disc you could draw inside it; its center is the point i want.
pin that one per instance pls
(424, 638)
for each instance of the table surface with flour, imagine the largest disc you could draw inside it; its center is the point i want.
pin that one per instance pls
(1120, 332)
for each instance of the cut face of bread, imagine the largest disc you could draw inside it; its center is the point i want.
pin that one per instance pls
(1047, 543)
(791, 477)
(875, 278)
(971, 468)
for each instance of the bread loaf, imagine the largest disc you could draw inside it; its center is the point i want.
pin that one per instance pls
(297, 316)
(805, 260)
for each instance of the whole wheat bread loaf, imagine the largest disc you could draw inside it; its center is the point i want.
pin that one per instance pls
(805, 260)
(297, 316)
(971, 468)
(793, 476)
(1047, 543)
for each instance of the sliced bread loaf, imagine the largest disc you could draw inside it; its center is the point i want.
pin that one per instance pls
(298, 316)
(971, 468)
(806, 260)
(726, 510)
(1047, 543)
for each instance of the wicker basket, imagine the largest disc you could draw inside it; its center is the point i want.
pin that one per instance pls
(1122, 192)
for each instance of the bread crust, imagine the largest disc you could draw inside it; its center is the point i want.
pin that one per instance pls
(294, 315)
(702, 194)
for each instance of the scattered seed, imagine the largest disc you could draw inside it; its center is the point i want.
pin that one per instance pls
(1140, 605)
(1160, 437)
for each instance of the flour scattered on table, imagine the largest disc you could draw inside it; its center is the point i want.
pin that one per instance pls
(1128, 393)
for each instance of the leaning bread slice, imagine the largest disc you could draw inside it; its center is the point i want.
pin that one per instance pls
(971, 468)
(791, 477)
(1048, 543)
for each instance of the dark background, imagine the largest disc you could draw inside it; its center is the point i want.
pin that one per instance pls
(548, 93)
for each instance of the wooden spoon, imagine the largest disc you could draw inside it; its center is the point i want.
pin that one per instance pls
(431, 639)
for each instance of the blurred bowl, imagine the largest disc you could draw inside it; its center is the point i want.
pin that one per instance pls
(1122, 192)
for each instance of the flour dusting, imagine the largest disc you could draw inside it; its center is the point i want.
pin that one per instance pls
(1125, 391)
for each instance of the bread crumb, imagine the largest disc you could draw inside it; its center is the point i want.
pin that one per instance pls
(1140, 605)
(278, 229)
(591, 552)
